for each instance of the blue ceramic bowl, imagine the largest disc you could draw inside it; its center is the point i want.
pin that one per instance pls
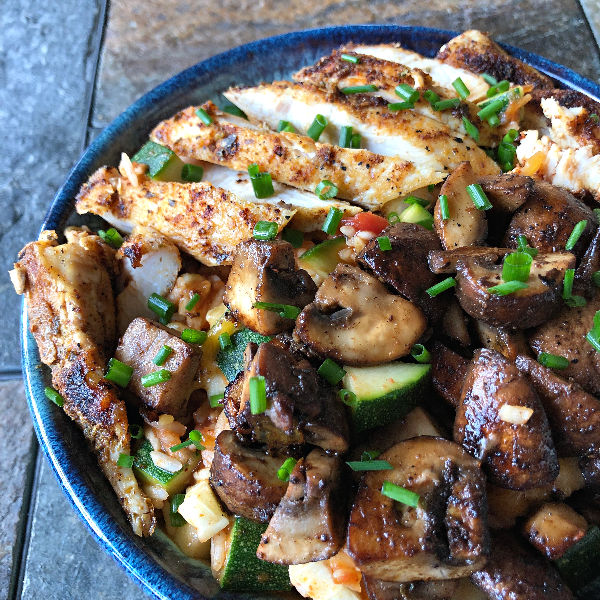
(155, 563)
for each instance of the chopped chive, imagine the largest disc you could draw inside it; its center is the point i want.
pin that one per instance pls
(370, 455)
(293, 236)
(506, 155)
(575, 235)
(349, 58)
(125, 460)
(262, 184)
(445, 104)
(594, 117)
(345, 136)
(326, 190)
(192, 172)
(396, 106)
(174, 517)
(347, 397)
(575, 301)
(286, 469)
(431, 97)
(400, 494)
(498, 88)
(593, 336)
(440, 287)
(356, 139)
(359, 89)
(216, 400)
(230, 108)
(384, 243)
(420, 354)
(416, 200)
(553, 361)
(461, 89)
(493, 121)
(135, 431)
(506, 288)
(523, 246)
(444, 209)
(224, 340)
(596, 278)
(431, 187)
(193, 336)
(54, 396)
(118, 372)
(511, 136)
(332, 221)
(162, 307)
(258, 395)
(407, 93)
(162, 355)
(317, 127)
(265, 230)
(489, 79)
(596, 212)
(178, 447)
(516, 266)
(196, 437)
(331, 371)
(480, 200)
(287, 311)
(393, 217)
(112, 237)
(491, 109)
(286, 126)
(369, 465)
(192, 302)
(204, 116)
(568, 283)
(470, 129)
(155, 378)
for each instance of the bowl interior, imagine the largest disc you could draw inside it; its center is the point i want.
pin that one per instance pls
(156, 563)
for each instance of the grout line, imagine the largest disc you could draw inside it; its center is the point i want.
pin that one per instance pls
(10, 373)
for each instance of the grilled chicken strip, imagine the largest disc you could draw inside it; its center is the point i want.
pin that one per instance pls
(429, 144)
(363, 177)
(72, 317)
(333, 72)
(205, 221)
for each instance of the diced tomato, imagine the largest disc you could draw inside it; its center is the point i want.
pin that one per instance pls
(344, 571)
(367, 221)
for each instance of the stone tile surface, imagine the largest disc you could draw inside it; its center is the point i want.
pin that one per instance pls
(46, 69)
(592, 12)
(148, 42)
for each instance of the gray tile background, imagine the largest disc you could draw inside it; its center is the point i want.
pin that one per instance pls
(56, 57)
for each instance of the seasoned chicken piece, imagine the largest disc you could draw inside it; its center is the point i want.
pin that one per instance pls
(139, 346)
(266, 272)
(150, 262)
(205, 221)
(333, 72)
(476, 52)
(309, 522)
(361, 176)
(71, 312)
(501, 421)
(441, 72)
(428, 144)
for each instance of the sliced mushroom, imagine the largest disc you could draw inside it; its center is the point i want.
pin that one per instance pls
(404, 267)
(448, 371)
(309, 523)
(564, 335)
(507, 192)
(516, 571)
(444, 537)
(455, 324)
(466, 226)
(516, 456)
(574, 414)
(416, 590)
(444, 261)
(356, 321)
(590, 264)
(522, 309)
(245, 479)
(266, 272)
(509, 342)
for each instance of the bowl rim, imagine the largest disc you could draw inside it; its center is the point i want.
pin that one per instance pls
(153, 578)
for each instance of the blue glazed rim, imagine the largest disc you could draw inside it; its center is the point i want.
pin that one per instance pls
(154, 578)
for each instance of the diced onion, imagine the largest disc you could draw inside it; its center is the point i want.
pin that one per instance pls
(517, 415)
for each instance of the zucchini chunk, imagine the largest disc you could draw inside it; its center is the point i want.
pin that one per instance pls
(579, 565)
(322, 258)
(163, 163)
(384, 393)
(231, 359)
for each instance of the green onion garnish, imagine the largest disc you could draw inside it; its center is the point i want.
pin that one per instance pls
(118, 372)
(258, 395)
(194, 437)
(553, 361)
(490, 110)
(265, 230)
(575, 301)
(345, 136)
(445, 104)
(125, 460)
(461, 89)
(575, 235)
(232, 109)
(506, 155)
(293, 236)
(162, 307)
(396, 106)
(493, 121)
(174, 517)
(135, 431)
(568, 283)
(317, 127)
(593, 336)
(596, 278)
(286, 469)
(359, 89)
(162, 355)
(355, 143)
(431, 187)
(332, 221)
(370, 455)
(508, 287)
(511, 136)
(470, 129)
(440, 287)
(400, 494)
(596, 212)
(384, 243)
(286, 126)
(369, 465)
(498, 88)
(347, 397)
(420, 354)
(224, 340)
(192, 172)
(54, 396)
(193, 336)
(326, 190)
(112, 237)
(489, 79)
(516, 266)
(262, 184)
(192, 302)
(523, 246)
(480, 200)
(204, 116)
(286, 311)
(393, 217)
(444, 209)
(216, 400)
(407, 93)
(331, 371)
(155, 378)
(349, 58)
(431, 97)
